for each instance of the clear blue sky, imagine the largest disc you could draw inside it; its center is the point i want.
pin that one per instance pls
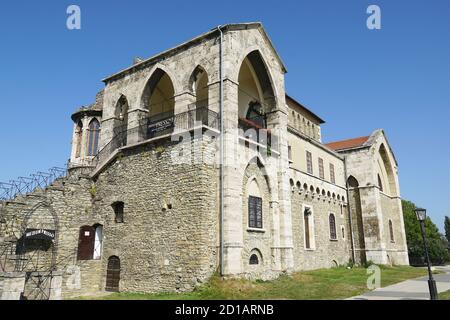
(358, 80)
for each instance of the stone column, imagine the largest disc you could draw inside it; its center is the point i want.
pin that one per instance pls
(183, 103)
(233, 229)
(284, 196)
(134, 134)
(373, 226)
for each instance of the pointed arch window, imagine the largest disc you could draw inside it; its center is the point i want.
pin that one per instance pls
(94, 133)
(332, 222)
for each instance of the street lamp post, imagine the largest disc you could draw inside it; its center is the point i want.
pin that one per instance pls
(421, 215)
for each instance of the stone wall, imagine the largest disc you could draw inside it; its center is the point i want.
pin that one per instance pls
(324, 252)
(168, 241)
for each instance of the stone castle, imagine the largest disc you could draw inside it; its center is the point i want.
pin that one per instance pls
(156, 199)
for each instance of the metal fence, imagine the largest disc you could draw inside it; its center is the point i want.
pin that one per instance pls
(25, 185)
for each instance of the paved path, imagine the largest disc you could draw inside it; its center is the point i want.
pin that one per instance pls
(415, 289)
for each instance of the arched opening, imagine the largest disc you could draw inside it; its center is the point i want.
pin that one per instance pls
(78, 139)
(113, 274)
(199, 87)
(352, 182)
(254, 259)
(121, 121)
(388, 166)
(256, 96)
(158, 99)
(93, 137)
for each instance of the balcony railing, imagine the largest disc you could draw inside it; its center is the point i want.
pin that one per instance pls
(159, 125)
(256, 133)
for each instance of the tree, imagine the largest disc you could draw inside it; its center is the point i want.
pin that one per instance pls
(437, 243)
(447, 228)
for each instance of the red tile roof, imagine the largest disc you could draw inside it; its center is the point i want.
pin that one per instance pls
(347, 144)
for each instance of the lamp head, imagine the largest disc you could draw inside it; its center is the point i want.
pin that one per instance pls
(421, 214)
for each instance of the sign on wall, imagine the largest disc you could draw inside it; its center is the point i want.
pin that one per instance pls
(39, 234)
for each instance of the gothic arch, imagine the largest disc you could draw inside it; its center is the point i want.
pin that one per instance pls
(256, 89)
(390, 171)
(258, 161)
(352, 182)
(159, 92)
(198, 86)
(121, 118)
(93, 137)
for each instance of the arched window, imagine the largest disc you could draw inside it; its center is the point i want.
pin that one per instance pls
(352, 182)
(121, 122)
(308, 223)
(254, 259)
(78, 138)
(118, 208)
(343, 232)
(332, 222)
(380, 184)
(94, 133)
(391, 231)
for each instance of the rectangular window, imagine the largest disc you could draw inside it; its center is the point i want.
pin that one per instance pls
(255, 212)
(290, 153)
(321, 169)
(332, 176)
(309, 163)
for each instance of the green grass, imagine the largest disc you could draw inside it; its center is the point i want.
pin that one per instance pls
(324, 284)
(444, 295)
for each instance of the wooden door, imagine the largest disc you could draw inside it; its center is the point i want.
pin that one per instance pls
(113, 274)
(86, 243)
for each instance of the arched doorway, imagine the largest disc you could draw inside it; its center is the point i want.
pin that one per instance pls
(113, 274)
(158, 99)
